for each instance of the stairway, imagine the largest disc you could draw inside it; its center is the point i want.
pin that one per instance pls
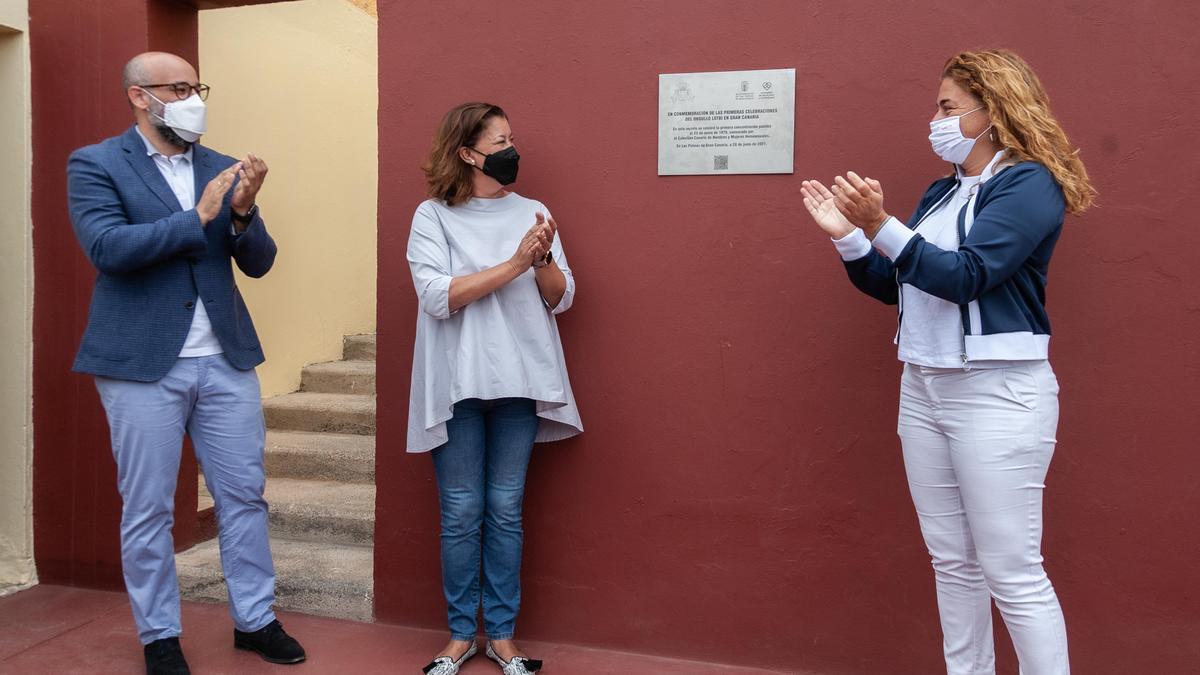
(320, 461)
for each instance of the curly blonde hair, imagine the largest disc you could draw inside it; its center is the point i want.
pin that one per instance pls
(446, 176)
(1020, 112)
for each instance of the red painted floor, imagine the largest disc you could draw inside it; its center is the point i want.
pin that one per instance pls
(56, 629)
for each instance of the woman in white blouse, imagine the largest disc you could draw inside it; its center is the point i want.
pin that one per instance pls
(489, 378)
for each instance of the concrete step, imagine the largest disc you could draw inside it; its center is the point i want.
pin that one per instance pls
(324, 511)
(316, 510)
(311, 411)
(348, 458)
(314, 578)
(339, 377)
(359, 347)
(204, 500)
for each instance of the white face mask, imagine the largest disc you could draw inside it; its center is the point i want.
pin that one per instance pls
(947, 139)
(188, 117)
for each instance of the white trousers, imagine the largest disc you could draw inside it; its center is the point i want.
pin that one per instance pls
(977, 445)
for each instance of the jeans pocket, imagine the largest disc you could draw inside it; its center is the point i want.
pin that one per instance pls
(1021, 386)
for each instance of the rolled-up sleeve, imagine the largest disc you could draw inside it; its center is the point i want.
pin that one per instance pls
(560, 259)
(429, 262)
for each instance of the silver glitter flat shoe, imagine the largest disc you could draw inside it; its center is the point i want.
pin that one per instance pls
(519, 665)
(444, 665)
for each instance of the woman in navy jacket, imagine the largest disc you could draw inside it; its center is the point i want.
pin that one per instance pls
(978, 399)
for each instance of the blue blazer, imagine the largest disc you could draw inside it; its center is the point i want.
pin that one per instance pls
(154, 259)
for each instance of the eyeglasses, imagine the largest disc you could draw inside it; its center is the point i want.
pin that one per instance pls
(182, 90)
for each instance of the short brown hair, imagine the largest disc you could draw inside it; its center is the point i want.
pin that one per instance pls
(449, 178)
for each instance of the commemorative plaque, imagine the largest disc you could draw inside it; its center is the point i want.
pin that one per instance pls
(726, 122)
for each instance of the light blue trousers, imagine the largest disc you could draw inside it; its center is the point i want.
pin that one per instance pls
(220, 409)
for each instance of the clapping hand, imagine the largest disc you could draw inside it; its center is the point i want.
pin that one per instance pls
(209, 205)
(551, 229)
(860, 201)
(534, 244)
(822, 206)
(251, 173)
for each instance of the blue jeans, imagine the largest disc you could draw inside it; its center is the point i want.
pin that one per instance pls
(220, 408)
(481, 484)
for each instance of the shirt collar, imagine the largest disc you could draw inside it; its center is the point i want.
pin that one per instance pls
(152, 151)
(993, 167)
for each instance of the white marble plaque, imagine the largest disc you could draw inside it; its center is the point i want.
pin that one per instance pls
(740, 121)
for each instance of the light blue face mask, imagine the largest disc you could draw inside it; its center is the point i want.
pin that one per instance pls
(947, 139)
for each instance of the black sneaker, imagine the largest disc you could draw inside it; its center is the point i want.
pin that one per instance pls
(165, 657)
(271, 642)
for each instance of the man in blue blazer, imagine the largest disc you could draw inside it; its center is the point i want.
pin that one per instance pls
(173, 350)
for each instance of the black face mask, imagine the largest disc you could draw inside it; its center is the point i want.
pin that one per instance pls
(501, 165)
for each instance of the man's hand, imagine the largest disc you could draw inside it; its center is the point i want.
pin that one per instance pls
(251, 174)
(209, 206)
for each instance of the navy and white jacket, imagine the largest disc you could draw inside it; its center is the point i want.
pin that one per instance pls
(997, 276)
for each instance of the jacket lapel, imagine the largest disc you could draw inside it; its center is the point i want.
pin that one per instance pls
(202, 168)
(143, 164)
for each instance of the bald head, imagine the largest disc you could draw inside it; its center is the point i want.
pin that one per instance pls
(157, 68)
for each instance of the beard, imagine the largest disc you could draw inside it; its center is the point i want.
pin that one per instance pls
(168, 134)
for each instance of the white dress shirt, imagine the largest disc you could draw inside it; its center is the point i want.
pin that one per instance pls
(505, 344)
(181, 176)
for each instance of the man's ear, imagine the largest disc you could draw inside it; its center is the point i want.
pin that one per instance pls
(138, 98)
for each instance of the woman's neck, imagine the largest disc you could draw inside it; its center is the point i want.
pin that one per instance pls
(981, 155)
(487, 188)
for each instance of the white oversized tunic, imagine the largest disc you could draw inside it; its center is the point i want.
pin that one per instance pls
(503, 345)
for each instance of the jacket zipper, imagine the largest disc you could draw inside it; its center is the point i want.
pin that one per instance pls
(968, 209)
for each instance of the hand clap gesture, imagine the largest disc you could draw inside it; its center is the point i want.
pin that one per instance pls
(853, 202)
(210, 202)
(822, 206)
(534, 244)
(861, 201)
(552, 229)
(251, 173)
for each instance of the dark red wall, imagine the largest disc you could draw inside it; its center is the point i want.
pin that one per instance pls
(739, 494)
(77, 50)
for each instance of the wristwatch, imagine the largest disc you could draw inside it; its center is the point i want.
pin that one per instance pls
(544, 260)
(247, 218)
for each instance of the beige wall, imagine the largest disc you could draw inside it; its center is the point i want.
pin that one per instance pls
(14, 14)
(297, 84)
(16, 304)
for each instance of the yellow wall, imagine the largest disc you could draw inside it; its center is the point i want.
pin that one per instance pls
(297, 84)
(16, 304)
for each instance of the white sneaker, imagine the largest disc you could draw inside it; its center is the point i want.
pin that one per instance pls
(444, 665)
(518, 666)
